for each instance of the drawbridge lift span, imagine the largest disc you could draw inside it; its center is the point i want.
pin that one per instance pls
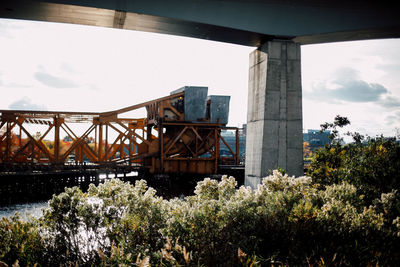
(181, 134)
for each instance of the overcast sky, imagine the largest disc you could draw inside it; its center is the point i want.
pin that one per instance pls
(49, 66)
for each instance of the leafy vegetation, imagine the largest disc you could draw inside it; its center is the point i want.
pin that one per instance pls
(344, 213)
(286, 219)
(370, 164)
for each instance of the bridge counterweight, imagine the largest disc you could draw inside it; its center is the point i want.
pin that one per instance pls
(181, 134)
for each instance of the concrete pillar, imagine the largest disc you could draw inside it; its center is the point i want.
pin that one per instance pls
(274, 117)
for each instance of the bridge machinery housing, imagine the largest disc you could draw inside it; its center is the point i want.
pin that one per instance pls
(181, 134)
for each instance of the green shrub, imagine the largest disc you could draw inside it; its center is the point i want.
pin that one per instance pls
(373, 167)
(113, 216)
(286, 220)
(371, 164)
(20, 241)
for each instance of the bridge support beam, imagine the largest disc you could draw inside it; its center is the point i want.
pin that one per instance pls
(274, 117)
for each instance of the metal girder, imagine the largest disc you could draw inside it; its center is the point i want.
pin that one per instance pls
(177, 146)
(39, 144)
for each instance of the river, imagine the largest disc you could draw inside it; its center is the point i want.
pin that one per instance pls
(168, 188)
(34, 209)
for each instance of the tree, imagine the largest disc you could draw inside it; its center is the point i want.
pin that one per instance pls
(371, 164)
(306, 150)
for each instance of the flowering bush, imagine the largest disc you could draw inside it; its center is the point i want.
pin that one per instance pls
(286, 220)
(20, 241)
(88, 227)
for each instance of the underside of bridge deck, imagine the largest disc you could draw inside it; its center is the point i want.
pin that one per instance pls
(247, 22)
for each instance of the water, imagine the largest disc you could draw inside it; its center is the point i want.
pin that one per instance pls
(33, 208)
(169, 188)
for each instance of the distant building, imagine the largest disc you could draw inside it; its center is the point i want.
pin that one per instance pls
(316, 138)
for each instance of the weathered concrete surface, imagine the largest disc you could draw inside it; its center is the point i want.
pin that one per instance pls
(241, 22)
(274, 116)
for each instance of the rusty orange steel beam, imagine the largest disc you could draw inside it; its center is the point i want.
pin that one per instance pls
(185, 140)
(144, 104)
(38, 144)
(89, 152)
(21, 150)
(189, 159)
(189, 149)
(50, 113)
(216, 150)
(122, 139)
(2, 124)
(100, 146)
(176, 139)
(237, 146)
(226, 144)
(110, 149)
(9, 129)
(202, 124)
(128, 130)
(67, 114)
(76, 142)
(48, 130)
(115, 149)
(208, 147)
(133, 133)
(179, 114)
(196, 133)
(83, 146)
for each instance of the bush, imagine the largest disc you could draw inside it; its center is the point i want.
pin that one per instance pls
(347, 212)
(115, 216)
(20, 241)
(286, 220)
(370, 164)
(373, 167)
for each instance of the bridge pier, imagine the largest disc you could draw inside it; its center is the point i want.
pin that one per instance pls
(274, 116)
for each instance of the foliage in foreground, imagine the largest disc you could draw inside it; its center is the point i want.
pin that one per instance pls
(370, 164)
(285, 220)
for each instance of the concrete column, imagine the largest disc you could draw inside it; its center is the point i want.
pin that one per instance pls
(274, 117)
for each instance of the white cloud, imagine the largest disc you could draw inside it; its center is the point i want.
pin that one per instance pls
(54, 81)
(25, 103)
(349, 91)
(389, 102)
(359, 80)
(68, 68)
(346, 86)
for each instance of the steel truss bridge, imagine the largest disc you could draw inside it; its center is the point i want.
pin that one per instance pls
(164, 142)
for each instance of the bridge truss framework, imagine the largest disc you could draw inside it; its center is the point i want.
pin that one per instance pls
(158, 143)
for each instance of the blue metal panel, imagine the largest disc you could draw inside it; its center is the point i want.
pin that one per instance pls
(195, 102)
(219, 108)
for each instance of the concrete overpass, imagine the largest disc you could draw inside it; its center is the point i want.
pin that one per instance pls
(276, 27)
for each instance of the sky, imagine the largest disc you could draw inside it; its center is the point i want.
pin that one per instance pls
(62, 67)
